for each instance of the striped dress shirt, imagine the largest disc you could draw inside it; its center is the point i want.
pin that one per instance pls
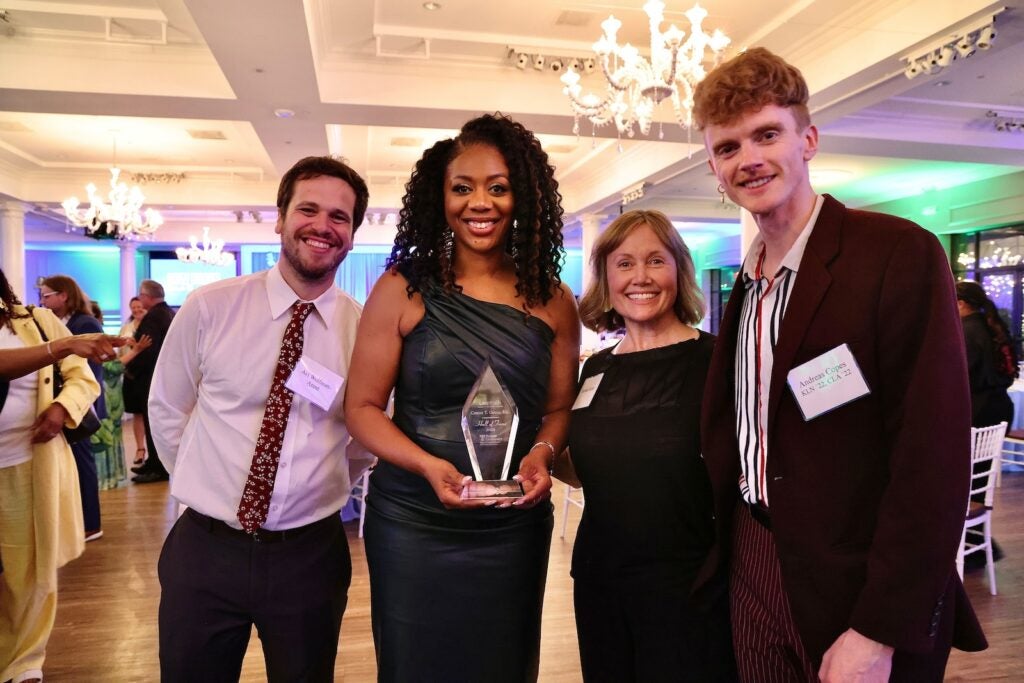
(764, 306)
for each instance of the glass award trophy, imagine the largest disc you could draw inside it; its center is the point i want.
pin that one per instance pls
(489, 424)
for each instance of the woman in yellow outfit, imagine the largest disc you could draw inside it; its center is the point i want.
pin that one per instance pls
(40, 505)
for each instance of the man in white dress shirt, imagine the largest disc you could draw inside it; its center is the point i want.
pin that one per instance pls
(289, 573)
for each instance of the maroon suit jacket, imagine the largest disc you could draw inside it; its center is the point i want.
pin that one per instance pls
(867, 501)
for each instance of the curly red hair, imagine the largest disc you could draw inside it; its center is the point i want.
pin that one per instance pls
(748, 82)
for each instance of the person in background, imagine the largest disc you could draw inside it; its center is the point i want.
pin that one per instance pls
(834, 425)
(457, 585)
(40, 501)
(246, 410)
(106, 443)
(991, 358)
(634, 442)
(139, 371)
(991, 368)
(62, 295)
(134, 403)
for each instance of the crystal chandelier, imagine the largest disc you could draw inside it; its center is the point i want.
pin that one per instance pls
(120, 216)
(635, 86)
(211, 253)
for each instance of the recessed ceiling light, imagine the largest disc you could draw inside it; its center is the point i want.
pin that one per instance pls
(431, 6)
(941, 84)
(284, 113)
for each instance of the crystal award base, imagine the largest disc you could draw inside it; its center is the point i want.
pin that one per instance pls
(495, 489)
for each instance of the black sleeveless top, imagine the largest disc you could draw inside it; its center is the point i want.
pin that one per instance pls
(441, 359)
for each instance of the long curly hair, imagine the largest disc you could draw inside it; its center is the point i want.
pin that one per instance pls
(1005, 355)
(8, 302)
(423, 246)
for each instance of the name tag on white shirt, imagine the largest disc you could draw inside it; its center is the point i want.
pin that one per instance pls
(587, 391)
(827, 382)
(315, 383)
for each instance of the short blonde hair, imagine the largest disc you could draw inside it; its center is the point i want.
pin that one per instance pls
(596, 310)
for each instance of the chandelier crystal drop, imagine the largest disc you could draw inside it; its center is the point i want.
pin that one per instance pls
(120, 216)
(636, 86)
(210, 253)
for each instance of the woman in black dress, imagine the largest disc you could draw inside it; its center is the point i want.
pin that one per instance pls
(991, 358)
(991, 369)
(456, 585)
(634, 445)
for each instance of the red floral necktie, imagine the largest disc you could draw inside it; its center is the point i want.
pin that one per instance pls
(252, 509)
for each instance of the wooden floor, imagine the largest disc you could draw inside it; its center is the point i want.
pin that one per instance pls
(106, 623)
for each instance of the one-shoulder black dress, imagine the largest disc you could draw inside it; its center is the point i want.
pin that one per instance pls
(456, 594)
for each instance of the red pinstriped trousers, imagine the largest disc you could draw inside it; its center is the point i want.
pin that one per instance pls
(767, 645)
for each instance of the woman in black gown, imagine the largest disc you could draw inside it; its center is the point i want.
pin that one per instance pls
(991, 358)
(991, 369)
(456, 585)
(635, 447)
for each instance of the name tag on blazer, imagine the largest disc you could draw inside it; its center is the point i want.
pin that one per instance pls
(824, 383)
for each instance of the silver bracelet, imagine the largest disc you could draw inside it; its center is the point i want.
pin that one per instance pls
(550, 446)
(50, 351)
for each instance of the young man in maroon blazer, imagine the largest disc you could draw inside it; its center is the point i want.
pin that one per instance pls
(836, 419)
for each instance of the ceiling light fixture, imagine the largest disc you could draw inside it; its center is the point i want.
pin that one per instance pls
(119, 217)
(636, 86)
(431, 6)
(518, 59)
(1007, 125)
(959, 44)
(211, 252)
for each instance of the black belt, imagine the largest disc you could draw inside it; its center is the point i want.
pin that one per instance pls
(760, 515)
(219, 528)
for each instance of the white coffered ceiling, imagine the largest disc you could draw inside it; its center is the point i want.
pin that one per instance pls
(192, 87)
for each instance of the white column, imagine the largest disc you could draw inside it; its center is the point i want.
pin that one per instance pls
(128, 286)
(591, 228)
(748, 228)
(12, 245)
